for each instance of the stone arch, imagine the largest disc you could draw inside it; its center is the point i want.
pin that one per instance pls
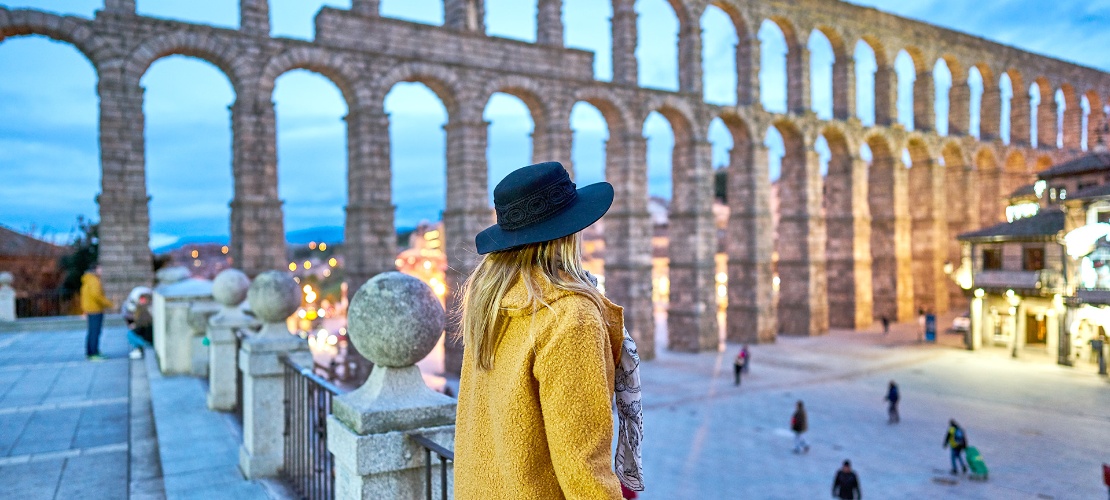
(1095, 118)
(892, 273)
(961, 205)
(928, 218)
(1044, 162)
(224, 56)
(444, 82)
(747, 54)
(1045, 113)
(72, 30)
(1072, 126)
(680, 115)
(615, 111)
(528, 91)
(885, 81)
(797, 69)
(330, 64)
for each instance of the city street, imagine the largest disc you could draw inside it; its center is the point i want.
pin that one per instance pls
(1041, 428)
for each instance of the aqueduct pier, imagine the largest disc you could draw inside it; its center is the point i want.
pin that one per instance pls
(866, 240)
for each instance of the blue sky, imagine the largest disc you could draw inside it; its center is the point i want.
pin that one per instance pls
(48, 107)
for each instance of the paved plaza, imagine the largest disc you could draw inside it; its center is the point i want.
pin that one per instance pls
(64, 422)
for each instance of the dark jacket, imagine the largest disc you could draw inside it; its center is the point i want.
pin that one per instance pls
(846, 485)
(955, 438)
(892, 394)
(798, 423)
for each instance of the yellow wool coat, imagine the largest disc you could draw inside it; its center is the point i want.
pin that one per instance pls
(93, 300)
(539, 424)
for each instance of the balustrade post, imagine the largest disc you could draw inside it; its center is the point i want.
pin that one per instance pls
(395, 320)
(174, 335)
(230, 290)
(7, 297)
(273, 297)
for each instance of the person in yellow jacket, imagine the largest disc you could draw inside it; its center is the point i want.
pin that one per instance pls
(93, 303)
(534, 415)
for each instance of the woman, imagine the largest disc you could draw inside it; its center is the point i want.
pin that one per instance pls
(544, 350)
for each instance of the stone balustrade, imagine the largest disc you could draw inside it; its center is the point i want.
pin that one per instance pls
(175, 337)
(394, 320)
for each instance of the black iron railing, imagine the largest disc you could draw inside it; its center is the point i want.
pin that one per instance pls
(240, 334)
(444, 455)
(52, 303)
(309, 467)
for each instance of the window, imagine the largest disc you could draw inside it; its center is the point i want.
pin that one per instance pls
(1103, 216)
(1032, 258)
(992, 258)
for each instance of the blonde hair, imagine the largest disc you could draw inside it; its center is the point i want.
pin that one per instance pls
(480, 312)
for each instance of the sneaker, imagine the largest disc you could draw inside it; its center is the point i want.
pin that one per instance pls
(95, 358)
(136, 353)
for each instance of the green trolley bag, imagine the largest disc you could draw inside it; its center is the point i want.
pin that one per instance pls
(976, 464)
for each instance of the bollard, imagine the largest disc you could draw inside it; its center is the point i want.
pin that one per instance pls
(394, 320)
(273, 297)
(230, 290)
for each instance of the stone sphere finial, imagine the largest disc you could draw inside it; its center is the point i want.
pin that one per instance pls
(395, 320)
(230, 287)
(6, 278)
(274, 296)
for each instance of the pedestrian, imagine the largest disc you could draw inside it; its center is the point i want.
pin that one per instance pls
(846, 483)
(956, 440)
(886, 324)
(93, 303)
(747, 357)
(545, 352)
(738, 365)
(892, 397)
(140, 323)
(921, 323)
(799, 425)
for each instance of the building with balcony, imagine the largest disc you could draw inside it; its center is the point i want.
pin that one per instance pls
(1040, 282)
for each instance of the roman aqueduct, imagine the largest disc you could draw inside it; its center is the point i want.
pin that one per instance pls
(866, 240)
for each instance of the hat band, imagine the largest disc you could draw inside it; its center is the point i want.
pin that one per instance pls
(538, 207)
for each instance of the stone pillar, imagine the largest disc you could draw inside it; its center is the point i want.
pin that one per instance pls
(991, 210)
(929, 244)
(554, 143)
(692, 315)
(844, 87)
(803, 307)
(962, 202)
(257, 223)
(254, 17)
(751, 306)
(1073, 127)
(273, 297)
(848, 218)
(7, 297)
(797, 79)
(230, 290)
(959, 108)
(689, 57)
(465, 15)
(1046, 124)
(468, 213)
(395, 320)
(924, 102)
(1019, 118)
(747, 70)
(976, 334)
(119, 6)
(886, 96)
(174, 336)
(628, 232)
(892, 272)
(990, 112)
(371, 241)
(199, 314)
(549, 23)
(1094, 126)
(366, 7)
(124, 216)
(624, 42)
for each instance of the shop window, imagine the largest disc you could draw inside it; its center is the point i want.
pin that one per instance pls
(1032, 258)
(1103, 216)
(992, 259)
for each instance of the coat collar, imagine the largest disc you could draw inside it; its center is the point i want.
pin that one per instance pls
(516, 303)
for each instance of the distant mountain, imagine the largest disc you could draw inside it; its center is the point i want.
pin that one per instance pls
(191, 240)
(328, 234)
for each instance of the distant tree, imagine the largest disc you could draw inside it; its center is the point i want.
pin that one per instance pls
(84, 250)
(720, 185)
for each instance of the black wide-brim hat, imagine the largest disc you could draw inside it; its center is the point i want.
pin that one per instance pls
(540, 203)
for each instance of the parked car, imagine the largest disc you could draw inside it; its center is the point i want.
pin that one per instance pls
(962, 323)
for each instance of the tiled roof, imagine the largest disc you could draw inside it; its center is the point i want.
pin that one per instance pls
(1045, 225)
(1091, 162)
(1098, 191)
(13, 244)
(1029, 190)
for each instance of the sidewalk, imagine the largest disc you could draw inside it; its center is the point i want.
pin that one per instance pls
(63, 420)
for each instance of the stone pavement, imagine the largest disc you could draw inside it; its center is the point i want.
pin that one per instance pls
(63, 420)
(1041, 428)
